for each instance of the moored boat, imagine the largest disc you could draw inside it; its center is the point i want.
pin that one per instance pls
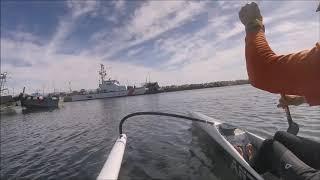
(39, 101)
(152, 87)
(107, 89)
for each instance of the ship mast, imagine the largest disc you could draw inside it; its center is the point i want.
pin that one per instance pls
(102, 73)
(3, 78)
(70, 87)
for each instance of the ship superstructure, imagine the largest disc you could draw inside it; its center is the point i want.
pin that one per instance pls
(107, 89)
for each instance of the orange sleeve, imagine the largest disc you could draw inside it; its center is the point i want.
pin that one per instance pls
(295, 74)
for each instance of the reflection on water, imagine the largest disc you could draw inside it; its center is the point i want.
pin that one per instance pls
(74, 140)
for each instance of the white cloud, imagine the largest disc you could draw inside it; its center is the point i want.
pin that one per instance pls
(25, 50)
(79, 8)
(292, 36)
(119, 4)
(149, 21)
(65, 26)
(136, 51)
(226, 34)
(214, 52)
(157, 17)
(201, 45)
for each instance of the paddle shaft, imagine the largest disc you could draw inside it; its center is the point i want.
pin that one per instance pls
(293, 127)
(289, 118)
(287, 110)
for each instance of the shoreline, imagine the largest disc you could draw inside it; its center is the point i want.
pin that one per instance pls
(174, 88)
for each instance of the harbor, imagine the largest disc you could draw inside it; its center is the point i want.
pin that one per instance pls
(159, 90)
(47, 127)
(75, 140)
(60, 123)
(107, 88)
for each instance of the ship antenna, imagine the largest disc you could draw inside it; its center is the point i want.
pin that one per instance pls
(102, 73)
(70, 87)
(3, 80)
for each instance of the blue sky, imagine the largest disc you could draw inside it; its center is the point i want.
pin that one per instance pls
(46, 44)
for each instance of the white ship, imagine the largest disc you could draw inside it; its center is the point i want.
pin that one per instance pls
(107, 89)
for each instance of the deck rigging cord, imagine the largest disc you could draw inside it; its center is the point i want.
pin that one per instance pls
(160, 114)
(293, 127)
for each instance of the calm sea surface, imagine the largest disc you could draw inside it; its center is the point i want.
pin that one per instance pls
(73, 142)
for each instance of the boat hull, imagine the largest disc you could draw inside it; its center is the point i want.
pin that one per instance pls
(235, 161)
(85, 97)
(38, 103)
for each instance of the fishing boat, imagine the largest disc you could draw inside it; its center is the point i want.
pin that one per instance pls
(152, 87)
(107, 89)
(38, 101)
(227, 136)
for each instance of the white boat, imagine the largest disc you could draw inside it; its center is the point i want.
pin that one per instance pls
(224, 134)
(107, 89)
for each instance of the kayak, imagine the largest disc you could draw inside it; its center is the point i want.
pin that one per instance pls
(227, 137)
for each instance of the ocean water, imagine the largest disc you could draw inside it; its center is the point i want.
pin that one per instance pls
(73, 142)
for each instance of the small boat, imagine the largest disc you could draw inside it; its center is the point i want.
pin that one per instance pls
(39, 101)
(152, 88)
(225, 135)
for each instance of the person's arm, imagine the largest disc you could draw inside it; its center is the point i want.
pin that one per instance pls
(280, 73)
(296, 74)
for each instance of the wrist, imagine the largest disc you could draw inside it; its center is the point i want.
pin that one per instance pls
(302, 100)
(255, 26)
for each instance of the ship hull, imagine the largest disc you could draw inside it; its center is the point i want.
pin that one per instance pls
(85, 97)
(40, 103)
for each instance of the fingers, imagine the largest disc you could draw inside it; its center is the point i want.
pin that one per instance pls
(290, 100)
(249, 149)
(280, 106)
(285, 101)
(250, 11)
(254, 4)
(251, 5)
(282, 103)
(239, 149)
